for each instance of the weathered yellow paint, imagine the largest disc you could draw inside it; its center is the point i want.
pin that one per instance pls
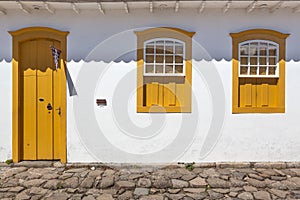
(266, 95)
(173, 93)
(38, 133)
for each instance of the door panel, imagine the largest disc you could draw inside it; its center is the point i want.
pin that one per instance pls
(28, 78)
(39, 101)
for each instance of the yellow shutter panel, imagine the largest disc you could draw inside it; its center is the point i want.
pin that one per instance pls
(258, 92)
(267, 95)
(152, 93)
(247, 92)
(170, 94)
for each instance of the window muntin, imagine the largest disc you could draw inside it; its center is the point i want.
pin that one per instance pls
(258, 58)
(164, 57)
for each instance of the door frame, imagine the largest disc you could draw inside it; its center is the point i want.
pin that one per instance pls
(18, 37)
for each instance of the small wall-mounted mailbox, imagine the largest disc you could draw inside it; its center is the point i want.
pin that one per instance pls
(101, 102)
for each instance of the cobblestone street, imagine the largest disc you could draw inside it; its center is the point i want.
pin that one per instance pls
(53, 180)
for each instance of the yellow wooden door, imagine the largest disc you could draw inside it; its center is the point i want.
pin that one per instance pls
(40, 110)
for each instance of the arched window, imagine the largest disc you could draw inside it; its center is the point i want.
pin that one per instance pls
(258, 58)
(164, 70)
(164, 57)
(258, 71)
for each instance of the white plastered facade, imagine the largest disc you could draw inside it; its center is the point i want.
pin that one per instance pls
(101, 62)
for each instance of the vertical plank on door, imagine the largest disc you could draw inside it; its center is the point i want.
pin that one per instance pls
(28, 58)
(45, 91)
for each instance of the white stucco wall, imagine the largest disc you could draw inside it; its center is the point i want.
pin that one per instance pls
(6, 110)
(116, 133)
(101, 54)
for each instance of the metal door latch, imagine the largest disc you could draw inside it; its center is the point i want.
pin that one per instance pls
(59, 110)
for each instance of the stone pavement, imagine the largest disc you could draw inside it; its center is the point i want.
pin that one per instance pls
(53, 180)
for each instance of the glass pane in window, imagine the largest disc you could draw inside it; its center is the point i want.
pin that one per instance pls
(244, 70)
(169, 69)
(253, 60)
(262, 60)
(263, 49)
(254, 49)
(159, 49)
(169, 59)
(179, 49)
(244, 60)
(272, 61)
(149, 58)
(179, 69)
(169, 49)
(160, 42)
(272, 50)
(170, 43)
(244, 50)
(272, 70)
(149, 68)
(149, 49)
(178, 59)
(159, 69)
(253, 70)
(262, 71)
(159, 59)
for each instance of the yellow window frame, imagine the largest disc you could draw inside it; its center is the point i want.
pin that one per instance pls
(185, 94)
(258, 34)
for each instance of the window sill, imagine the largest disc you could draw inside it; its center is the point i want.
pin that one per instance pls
(257, 76)
(165, 109)
(164, 74)
(245, 110)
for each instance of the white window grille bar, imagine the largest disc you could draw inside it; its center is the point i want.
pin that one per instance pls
(164, 54)
(268, 47)
(154, 59)
(258, 58)
(174, 57)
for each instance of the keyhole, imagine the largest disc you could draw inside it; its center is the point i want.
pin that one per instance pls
(49, 107)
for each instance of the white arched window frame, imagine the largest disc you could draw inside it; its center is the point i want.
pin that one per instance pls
(164, 57)
(258, 58)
